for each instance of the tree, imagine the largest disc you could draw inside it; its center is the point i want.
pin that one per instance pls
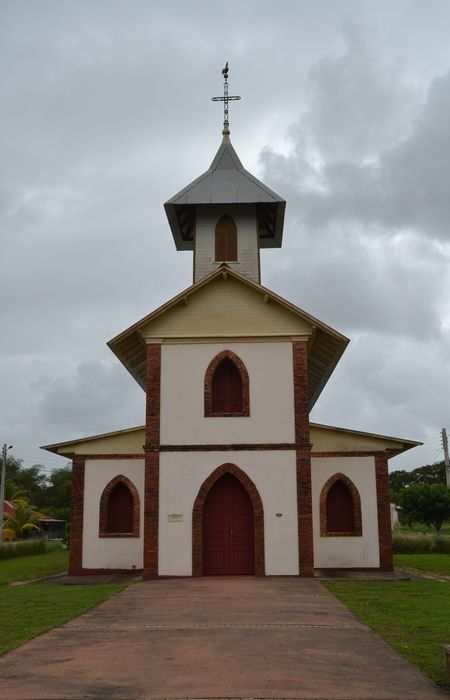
(428, 474)
(427, 503)
(13, 467)
(58, 492)
(23, 482)
(399, 480)
(22, 523)
(47, 494)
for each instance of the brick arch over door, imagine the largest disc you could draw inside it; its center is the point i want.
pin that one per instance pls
(107, 491)
(197, 517)
(356, 500)
(209, 375)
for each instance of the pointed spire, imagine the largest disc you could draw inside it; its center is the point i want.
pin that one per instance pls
(225, 99)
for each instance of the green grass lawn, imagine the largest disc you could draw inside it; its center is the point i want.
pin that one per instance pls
(412, 616)
(26, 611)
(30, 609)
(433, 563)
(25, 568)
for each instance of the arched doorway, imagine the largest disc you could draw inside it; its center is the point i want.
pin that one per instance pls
(228, 530)
(198, 517)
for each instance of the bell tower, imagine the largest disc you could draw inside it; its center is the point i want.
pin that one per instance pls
(226, 215)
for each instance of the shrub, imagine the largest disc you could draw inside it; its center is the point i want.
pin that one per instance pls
(419, 543)
(442, 545)
(412, 543)
(51, 545)
(22, 549)
(66, 536)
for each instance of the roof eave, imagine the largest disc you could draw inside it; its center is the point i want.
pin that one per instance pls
(54, 446)
(117, 344)
(405, 444)
(320, 387)
(180, 242)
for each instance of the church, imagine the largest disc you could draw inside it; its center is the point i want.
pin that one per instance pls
(228, 476)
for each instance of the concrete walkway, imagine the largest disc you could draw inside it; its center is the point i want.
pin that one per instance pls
(213, 638)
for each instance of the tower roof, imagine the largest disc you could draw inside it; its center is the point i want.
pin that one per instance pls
(226, 182)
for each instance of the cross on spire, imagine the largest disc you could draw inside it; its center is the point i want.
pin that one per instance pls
(225, 99)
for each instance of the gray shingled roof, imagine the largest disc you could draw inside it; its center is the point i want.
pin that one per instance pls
(226, 182)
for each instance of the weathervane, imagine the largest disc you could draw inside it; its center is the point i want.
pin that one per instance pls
(226, 97)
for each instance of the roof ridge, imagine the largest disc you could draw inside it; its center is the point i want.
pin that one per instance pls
(260, 184)
(190, 187)
(230, 150)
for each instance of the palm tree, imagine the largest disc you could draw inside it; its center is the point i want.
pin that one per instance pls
(22, 522)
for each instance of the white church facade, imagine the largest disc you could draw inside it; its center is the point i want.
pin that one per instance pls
(227, 476)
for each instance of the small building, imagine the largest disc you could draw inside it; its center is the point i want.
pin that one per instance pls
(395, 519)
(50, 528)
(227, 475)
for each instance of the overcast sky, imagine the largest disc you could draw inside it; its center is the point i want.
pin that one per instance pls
(106, 113)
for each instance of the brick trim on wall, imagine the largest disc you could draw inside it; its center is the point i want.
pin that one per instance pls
(348, 453)
(263, 447)
(197, 517)
(77, 511)
(384, 512)
(106, 455)
(209, 374)
(108, 572)
(303, 458)
(208, 447)
(151, 478)
(356, 499)
(103, 517)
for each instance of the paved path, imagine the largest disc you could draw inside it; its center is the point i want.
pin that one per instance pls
(213, 638)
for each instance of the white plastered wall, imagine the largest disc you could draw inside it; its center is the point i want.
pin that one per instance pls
(274, 475)
(330, 552)
(110, 552)
(271, 420)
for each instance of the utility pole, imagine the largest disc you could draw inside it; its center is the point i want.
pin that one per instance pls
(446, 459)
(2, 488)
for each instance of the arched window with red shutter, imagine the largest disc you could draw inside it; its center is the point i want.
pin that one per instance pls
(227, 386)
(340, 508)
(119, 509)
(226, 248)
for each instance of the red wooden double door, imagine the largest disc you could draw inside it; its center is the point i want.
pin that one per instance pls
(228, 530)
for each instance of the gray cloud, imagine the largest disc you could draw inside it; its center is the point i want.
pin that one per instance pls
(357, 105)
(106, 113)
(366, 179)
(391, 169)
(96, 397)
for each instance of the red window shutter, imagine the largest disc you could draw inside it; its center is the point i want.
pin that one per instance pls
(340, 509)
(120, 510)
(227, 388)
(226, 240)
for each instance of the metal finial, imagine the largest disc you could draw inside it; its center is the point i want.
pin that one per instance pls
(225, 99)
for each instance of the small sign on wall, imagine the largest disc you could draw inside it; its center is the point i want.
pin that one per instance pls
(175, 518)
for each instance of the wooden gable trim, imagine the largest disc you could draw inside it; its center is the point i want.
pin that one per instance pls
(185, 294)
